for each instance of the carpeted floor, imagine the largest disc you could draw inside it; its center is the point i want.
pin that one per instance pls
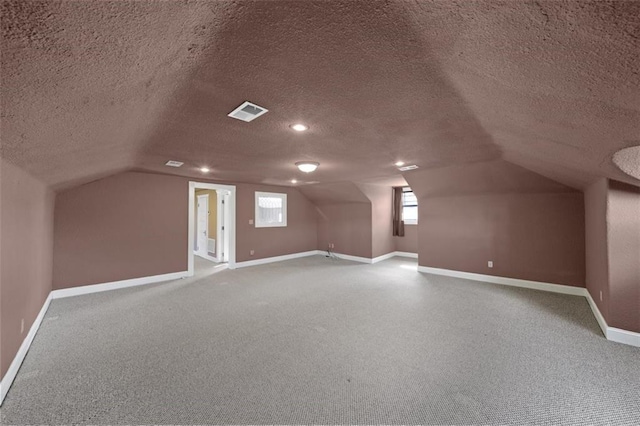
(316, 340)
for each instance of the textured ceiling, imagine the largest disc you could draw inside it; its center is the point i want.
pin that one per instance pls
(91, 88)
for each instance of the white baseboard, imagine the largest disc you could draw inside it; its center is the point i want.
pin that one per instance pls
(596, 313)
(614, 334)
(514, 282)
(406, 254)
(623, 336)
(353, 258)
(11, 373)
(277, 258)
(134, 282)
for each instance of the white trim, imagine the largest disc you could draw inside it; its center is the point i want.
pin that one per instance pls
(383, 257)
(134, 282)
(277, 258)
(596, 313)
(623, 336)
(353, 258)
(514, 282)
(231, 232)
(406, 254)
(612, 333)
(11, 373)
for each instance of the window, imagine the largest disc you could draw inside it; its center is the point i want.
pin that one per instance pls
(271, 209)
(409, 206)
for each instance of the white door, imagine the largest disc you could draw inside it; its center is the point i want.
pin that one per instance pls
(203, 224)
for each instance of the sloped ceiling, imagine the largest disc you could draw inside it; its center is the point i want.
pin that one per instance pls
(92, 88)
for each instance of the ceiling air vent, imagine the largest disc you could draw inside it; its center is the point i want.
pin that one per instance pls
(407, 168)
(247, 112)
(172, 163)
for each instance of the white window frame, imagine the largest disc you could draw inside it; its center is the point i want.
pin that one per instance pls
(281, 224)
(408, 221)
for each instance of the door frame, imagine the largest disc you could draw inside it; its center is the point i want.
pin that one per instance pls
(230, 234)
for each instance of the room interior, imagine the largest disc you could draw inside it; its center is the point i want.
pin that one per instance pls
(521, 117)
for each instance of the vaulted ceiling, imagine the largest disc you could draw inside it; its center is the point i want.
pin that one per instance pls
(93, 88)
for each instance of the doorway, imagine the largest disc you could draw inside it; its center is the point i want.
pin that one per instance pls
(211, 227)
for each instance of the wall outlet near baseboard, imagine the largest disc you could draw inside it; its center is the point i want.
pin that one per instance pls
(252, 252)
(490, 264)
(601, 295)
(22, 326)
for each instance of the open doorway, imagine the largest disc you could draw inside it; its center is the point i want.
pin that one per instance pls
(211, 227)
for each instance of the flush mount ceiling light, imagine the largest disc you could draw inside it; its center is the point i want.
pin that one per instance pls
(399, 163)
(205, 169)
(172, 163)
(407, 168)
(294, 181)
(307, 166)
(299, 127)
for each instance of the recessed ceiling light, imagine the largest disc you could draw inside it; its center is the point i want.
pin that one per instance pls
(172, 163)
(299, 127)
(294, 181)
(307, 166)
(205, 169)
(399, 163)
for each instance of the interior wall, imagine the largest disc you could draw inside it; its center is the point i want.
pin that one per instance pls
(409, 242)
(348, 226)
(530, 227)
(26, 255)
(134, 225)
(596, 247)
(381, 197)
(300, 234)
(623, 240)
(125, 226)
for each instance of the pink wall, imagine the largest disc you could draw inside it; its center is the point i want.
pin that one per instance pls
(624, 256)
(409, 242)
(347, 226)
(596, 251)
(300, 234)
(26, 250)
(134, 225)
(381, 196)
(125, 226)
(530, 227)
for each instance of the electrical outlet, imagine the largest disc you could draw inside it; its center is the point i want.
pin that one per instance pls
(22, 326)
(251, 252)
(490, 264)
(601, 295)
(250, 221)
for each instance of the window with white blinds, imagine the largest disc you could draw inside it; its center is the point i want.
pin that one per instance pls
(271, 209)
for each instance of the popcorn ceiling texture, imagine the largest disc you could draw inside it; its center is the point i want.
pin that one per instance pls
(93, 88)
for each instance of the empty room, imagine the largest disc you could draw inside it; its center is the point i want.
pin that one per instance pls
(320, 212)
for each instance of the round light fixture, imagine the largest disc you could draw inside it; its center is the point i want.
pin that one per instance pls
(294, 181)
(399, 163)
(205, 169)
(307, 166)
(299, 127)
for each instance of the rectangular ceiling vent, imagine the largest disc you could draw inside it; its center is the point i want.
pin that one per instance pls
(248, 112)
(172, 163)
(407, 168)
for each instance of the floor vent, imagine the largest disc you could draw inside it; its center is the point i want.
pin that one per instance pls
(407, 168)
(248, 112)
